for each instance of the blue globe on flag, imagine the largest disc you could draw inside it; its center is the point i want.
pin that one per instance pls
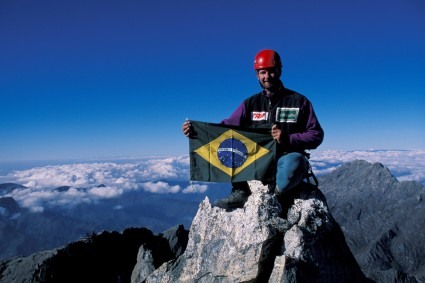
(232, 153)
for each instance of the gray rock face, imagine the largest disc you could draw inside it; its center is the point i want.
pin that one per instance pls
(144, 266)
(24, 269)
(150, 257)
(383, 220)
(291, 240)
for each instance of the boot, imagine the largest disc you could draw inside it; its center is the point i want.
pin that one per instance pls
(272, 188)
(237, 198)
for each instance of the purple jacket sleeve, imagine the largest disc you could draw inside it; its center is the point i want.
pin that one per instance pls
(313, 135)
(237, 116)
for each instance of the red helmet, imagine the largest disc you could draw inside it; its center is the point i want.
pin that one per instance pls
(267, 59)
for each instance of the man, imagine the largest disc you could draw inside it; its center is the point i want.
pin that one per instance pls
(294, 126)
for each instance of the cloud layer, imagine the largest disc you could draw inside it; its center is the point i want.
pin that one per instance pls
(90, 182)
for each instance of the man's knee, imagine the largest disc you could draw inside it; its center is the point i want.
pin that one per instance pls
(291, 170)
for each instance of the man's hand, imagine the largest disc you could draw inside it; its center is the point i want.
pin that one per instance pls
(276, 133)
(187, 128)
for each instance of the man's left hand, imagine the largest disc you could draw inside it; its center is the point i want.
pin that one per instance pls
(276, 133)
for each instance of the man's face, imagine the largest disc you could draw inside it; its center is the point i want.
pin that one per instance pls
(268, 78)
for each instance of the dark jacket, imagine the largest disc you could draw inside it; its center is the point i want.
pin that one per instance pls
(291, 111)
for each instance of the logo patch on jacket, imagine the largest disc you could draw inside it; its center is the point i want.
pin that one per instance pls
(259, 116)
(287, 115)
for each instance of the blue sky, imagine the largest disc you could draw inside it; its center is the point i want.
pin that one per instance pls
(90, 79)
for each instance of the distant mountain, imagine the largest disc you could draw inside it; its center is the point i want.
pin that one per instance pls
(8, 187)
(9, 207)
(103, 257)
(383, 220)
(24, 232)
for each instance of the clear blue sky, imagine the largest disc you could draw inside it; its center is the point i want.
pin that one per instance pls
(88, 79)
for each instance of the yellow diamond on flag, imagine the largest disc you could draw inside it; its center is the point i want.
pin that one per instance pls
(231, 152)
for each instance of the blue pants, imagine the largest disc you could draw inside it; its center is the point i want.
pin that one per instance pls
(291, 170)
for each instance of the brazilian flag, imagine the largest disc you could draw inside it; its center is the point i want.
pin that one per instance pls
(223, 153)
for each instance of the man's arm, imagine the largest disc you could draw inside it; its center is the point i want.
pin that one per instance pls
(236, 117)
(313, 135)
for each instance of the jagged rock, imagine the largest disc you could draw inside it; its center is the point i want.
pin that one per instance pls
(177, 238)
(144, 266)
(255, 244)
(170, 245)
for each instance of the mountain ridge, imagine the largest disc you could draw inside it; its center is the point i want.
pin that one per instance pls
(381, 219)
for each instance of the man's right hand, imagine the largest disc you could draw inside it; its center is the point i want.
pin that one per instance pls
(187, 128)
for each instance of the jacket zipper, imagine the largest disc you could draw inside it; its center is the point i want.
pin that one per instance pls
(271, 122)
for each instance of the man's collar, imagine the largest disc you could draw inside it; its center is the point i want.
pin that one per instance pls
(280, 89)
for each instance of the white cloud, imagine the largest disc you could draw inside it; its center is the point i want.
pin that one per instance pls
(84, 175)
(160, 188)
(195, 188)
(85, 180)
(152, 175)
(106, 192)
